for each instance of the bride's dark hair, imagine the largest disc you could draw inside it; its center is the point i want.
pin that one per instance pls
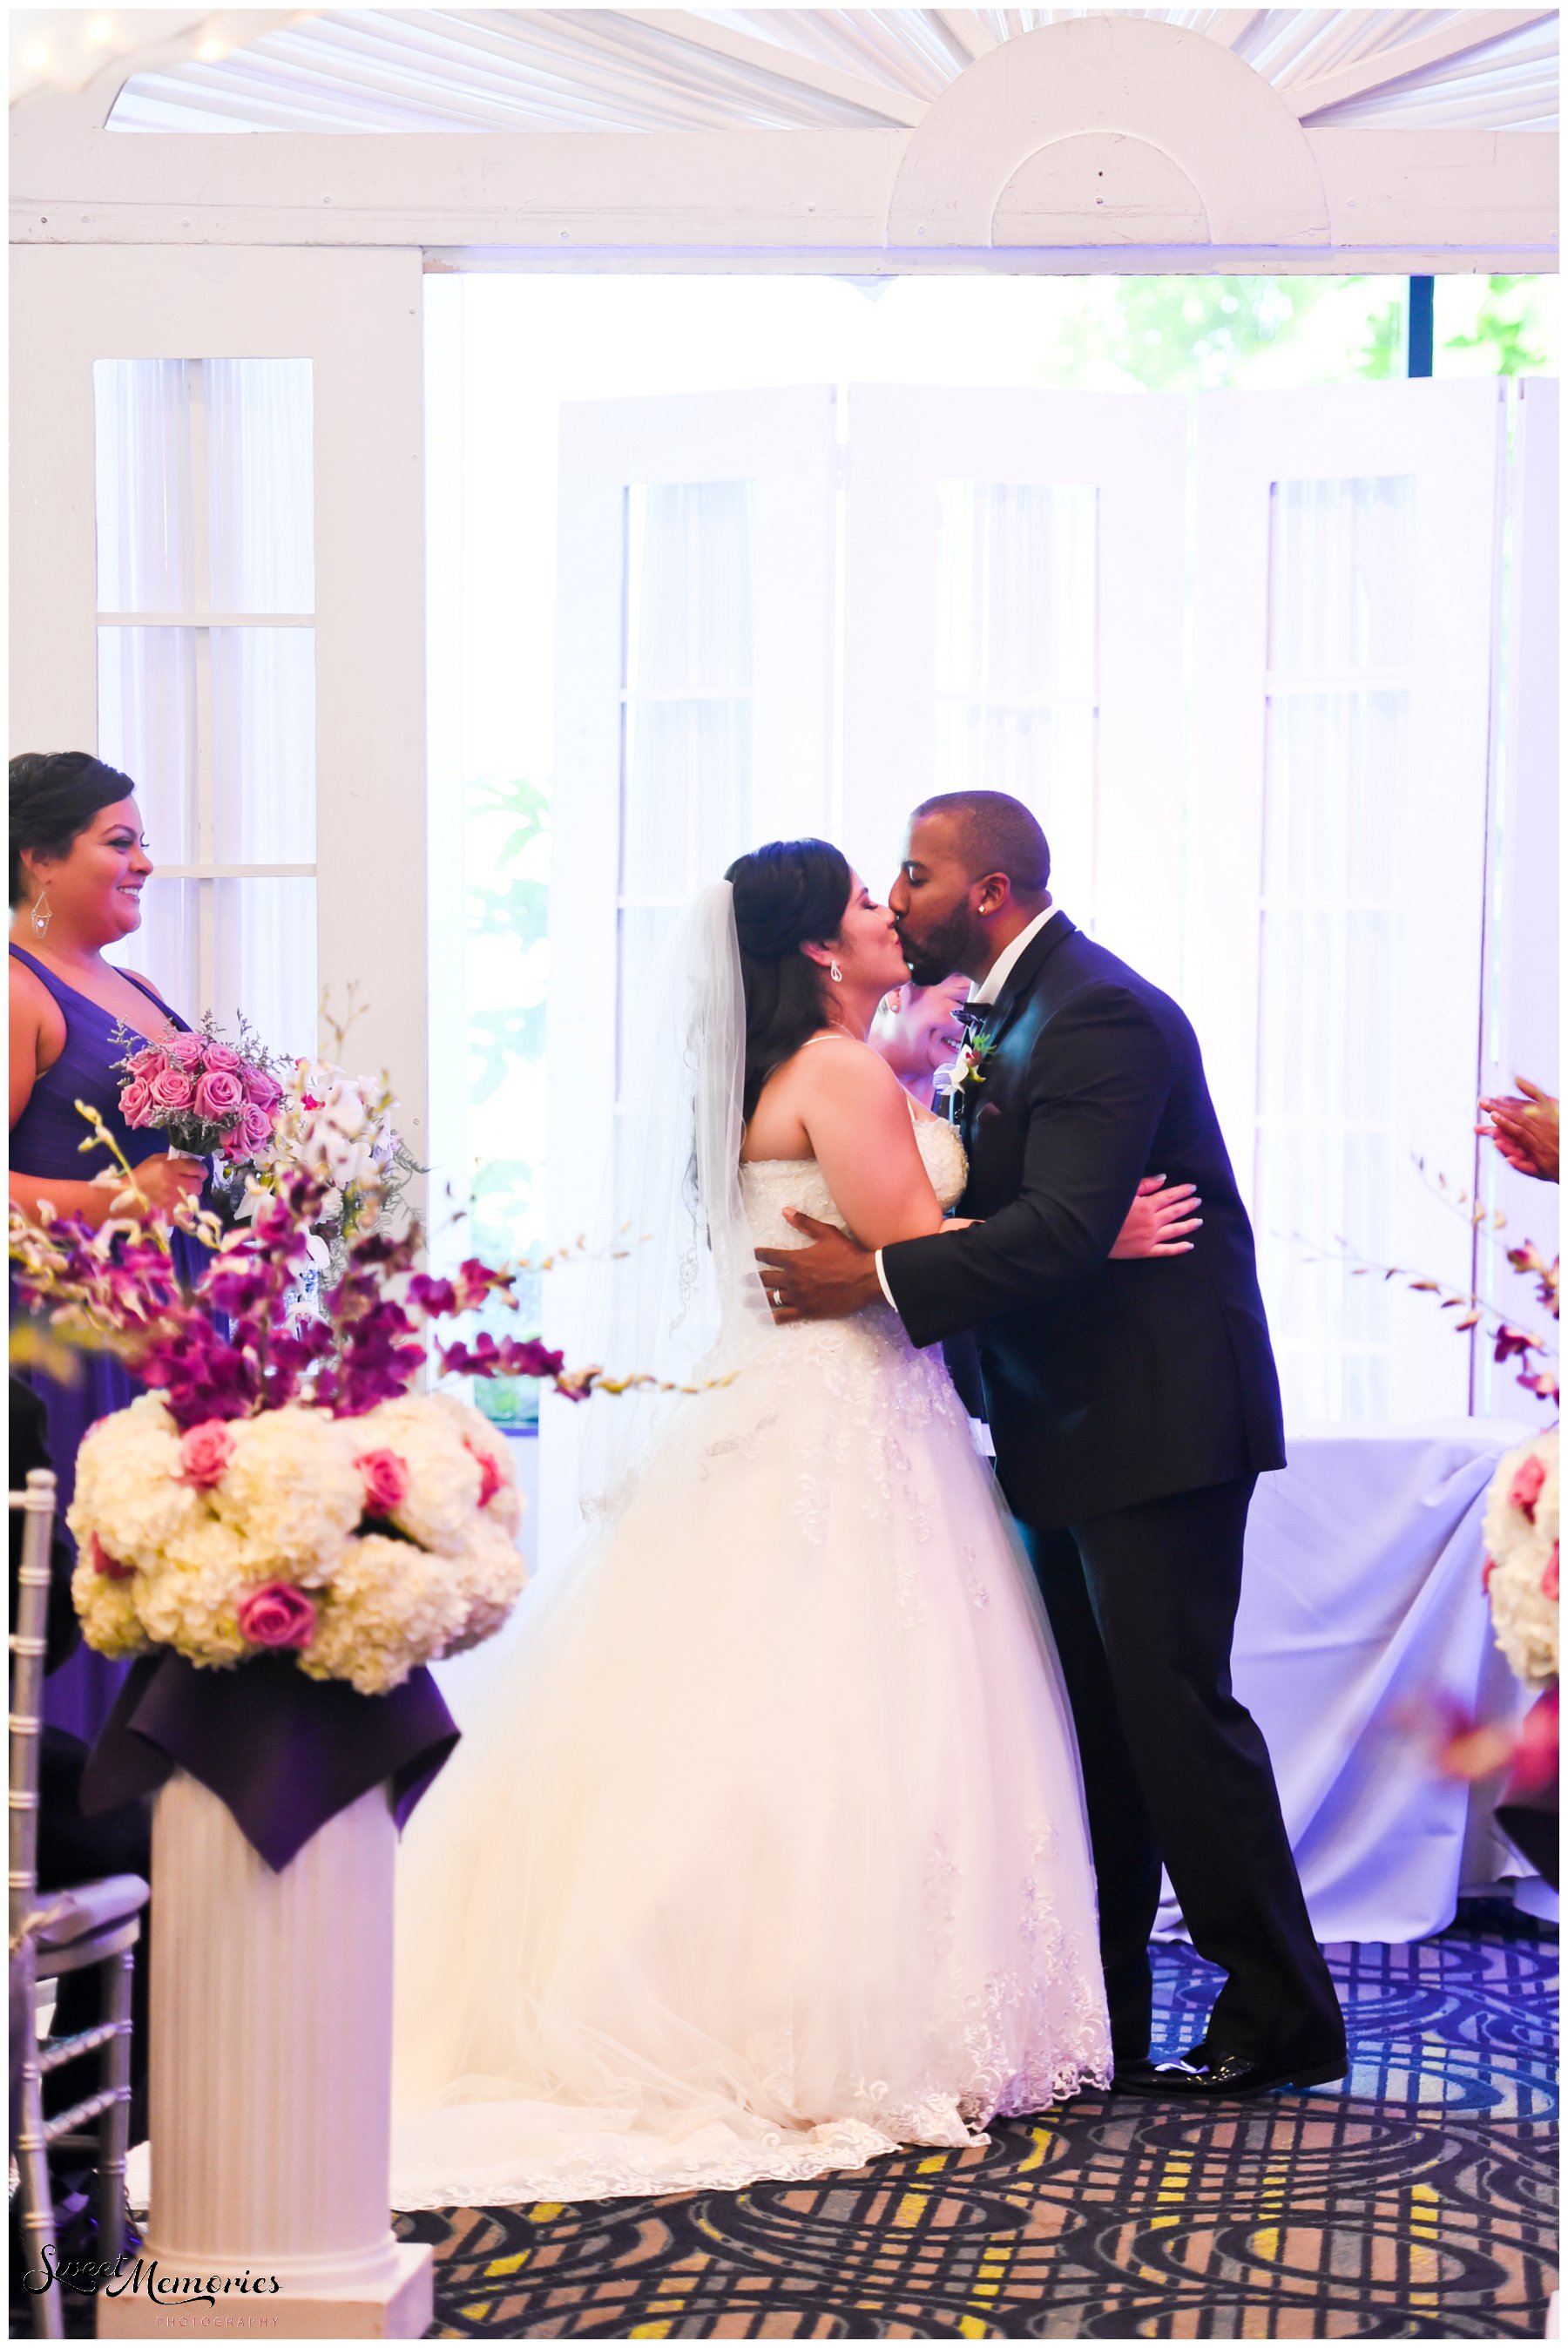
(790, 893)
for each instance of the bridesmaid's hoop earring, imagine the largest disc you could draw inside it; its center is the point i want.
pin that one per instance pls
(43, 914)
(836, 973)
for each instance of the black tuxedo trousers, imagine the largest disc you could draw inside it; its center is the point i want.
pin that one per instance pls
(1142, 1604)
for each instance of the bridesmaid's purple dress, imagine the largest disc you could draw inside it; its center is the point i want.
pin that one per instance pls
(46, 1141)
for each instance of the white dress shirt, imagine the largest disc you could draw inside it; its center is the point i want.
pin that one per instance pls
(987, 992)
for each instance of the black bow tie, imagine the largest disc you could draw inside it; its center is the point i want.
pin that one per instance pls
(973, 1015)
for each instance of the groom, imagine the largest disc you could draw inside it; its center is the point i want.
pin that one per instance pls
(1133, 1404)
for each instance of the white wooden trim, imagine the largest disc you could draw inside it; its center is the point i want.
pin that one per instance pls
(1471, 32)
(1279, 198)
(200, 871)
(785, 65)
(1520, 1014)
(969, 29)
(206, 620)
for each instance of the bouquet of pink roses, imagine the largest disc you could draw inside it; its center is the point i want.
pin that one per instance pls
(214, 1099)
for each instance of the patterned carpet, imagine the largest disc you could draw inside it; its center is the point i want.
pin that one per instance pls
(1416, 2201)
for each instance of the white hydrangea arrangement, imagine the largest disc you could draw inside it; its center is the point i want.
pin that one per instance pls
(1521, 1539)
(365, 1545)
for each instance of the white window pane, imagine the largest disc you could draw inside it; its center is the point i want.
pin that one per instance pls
(1044, 756)
(689, 587)
(147, 727)
(685, 794)
(1016, 591)
(165, 948)
(264, 941)
(1341, 581)
(264, 746)
(1336, 781)
(641, 931)
(261, 484)
(141, 410)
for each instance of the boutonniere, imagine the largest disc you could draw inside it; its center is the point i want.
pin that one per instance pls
(969, 1067)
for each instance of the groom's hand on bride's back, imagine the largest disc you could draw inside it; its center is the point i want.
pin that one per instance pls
(834, 1275)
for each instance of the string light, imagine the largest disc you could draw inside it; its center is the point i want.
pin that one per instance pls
(99, 31)
(36, 58)
(211, 51)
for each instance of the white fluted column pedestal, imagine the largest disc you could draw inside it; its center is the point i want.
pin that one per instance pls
(270, 2086)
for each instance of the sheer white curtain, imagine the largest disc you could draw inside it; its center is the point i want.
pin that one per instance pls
(1336, 782)
(686, 740)
(206, 673)
(1015, 669)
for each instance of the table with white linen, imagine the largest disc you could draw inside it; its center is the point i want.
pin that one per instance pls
(1363, 1618)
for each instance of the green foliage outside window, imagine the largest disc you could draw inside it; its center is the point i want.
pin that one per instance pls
(509, 945)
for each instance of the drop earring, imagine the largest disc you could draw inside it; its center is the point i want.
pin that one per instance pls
(836, 973)
(42, 914)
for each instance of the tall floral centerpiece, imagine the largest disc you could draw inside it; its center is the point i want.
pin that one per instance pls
(281, 1532)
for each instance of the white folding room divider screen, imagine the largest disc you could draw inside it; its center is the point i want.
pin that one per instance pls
(1346, 597)
(1264, 760)
(217, 584)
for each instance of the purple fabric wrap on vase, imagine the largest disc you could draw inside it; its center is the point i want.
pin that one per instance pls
(283, 1753)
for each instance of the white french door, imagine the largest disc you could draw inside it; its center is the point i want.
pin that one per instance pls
(1345, 587)
(1015, 580)
(1520, 985)
(694, 706)
(218, 538)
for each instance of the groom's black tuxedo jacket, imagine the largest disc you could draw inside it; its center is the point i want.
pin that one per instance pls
(1106, 1383)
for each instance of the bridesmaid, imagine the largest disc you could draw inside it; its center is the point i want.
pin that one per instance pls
(78, 864)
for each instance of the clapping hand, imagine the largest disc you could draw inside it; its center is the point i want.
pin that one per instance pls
(1525, 1130)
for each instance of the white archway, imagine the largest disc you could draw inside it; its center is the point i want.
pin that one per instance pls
(1222, 127)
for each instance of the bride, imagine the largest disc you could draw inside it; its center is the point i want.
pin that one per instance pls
(768, 1852)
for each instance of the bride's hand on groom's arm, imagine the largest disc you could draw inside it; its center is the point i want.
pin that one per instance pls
(833, 1276)
(1159, 1222)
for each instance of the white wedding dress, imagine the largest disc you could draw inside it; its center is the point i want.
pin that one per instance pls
(768, 1853)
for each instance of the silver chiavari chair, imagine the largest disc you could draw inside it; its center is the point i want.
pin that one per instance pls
(89, 1925)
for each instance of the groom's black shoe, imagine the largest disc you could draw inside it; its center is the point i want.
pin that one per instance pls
(1206, 2074)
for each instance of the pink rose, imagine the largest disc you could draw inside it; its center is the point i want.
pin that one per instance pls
(277, 1616)
(205, 1452)
(1487, 1570)
(260, 1089)
(110, 1567)
(1526, 1488)
(187, 1049)
(255, 1129)
(384, 1475)
(217, 1095)
(490, 1477)
(135, 1103)
(171, 1090)
(145, 1062)
(1549, 1578)
(223, 1057)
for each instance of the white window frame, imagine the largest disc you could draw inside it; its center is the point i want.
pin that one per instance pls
(784, 443)
(1447, 436)
(356, 316)
(904, 441)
